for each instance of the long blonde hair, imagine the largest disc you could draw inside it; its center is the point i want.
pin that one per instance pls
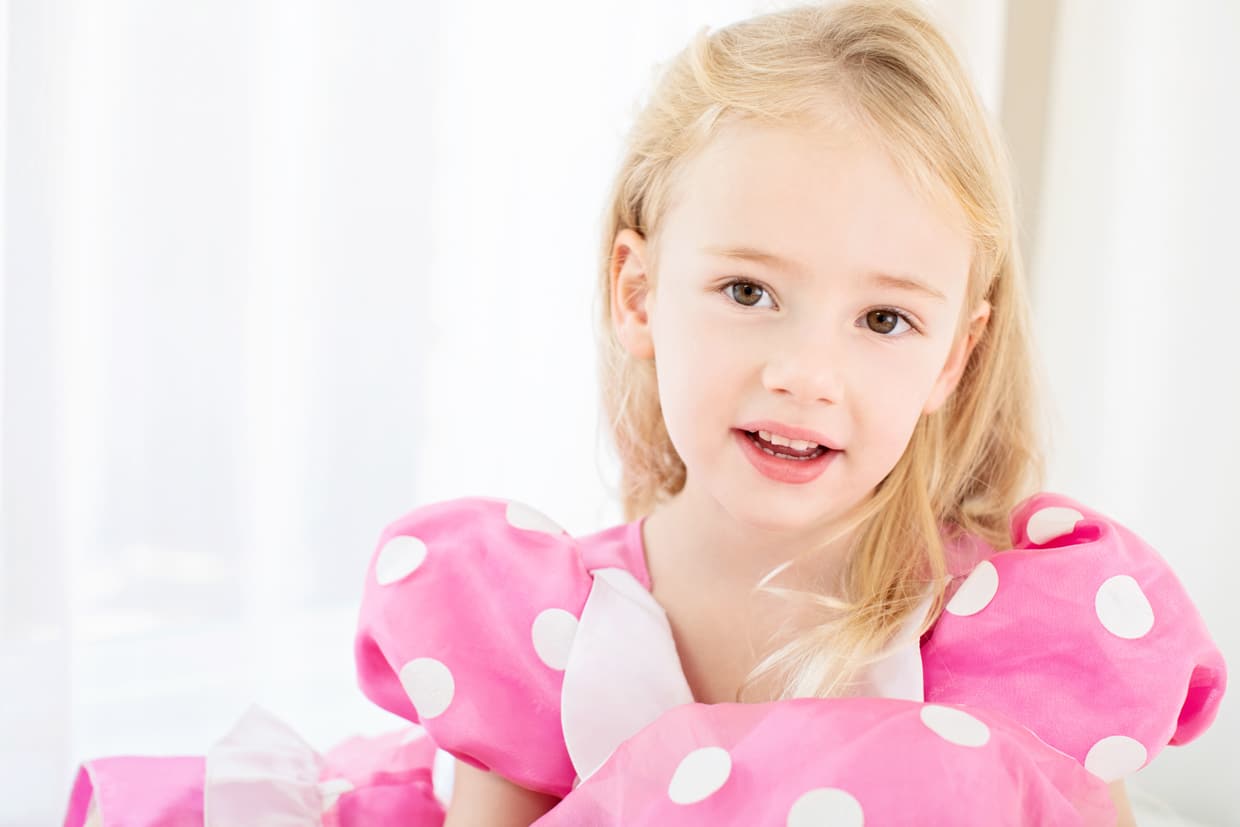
(967, 464)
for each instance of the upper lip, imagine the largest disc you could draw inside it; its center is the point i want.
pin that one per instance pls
(790, 431)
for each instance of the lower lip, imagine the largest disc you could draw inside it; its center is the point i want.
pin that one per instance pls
(795, 471)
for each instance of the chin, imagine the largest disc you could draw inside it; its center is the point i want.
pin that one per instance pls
(775, 514)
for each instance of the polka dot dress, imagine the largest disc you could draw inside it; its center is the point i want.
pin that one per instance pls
(1083, 612)
(467, 619)
(1061, 663)
(847, 762)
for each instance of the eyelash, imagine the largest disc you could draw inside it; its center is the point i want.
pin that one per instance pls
(893, 310)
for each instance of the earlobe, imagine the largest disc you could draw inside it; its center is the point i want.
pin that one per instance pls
(630, 294)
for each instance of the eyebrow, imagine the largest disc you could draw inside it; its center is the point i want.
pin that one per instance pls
(881, 279)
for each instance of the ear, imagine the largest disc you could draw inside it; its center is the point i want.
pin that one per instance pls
(957, 360)
(631, 294)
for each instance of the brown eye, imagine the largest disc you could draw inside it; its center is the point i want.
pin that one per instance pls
(746, 293)
(885, 321)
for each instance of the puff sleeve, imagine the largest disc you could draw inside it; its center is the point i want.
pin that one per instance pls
(1082, 633)
(468, 614)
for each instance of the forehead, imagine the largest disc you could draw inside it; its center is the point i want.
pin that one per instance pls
(829, 201)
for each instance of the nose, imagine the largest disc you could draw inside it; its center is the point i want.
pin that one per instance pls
(806, 367)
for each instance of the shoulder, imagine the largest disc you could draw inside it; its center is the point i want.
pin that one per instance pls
(1081, 610)
(468, 611)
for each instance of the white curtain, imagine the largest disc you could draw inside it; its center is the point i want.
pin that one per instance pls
(275, 272)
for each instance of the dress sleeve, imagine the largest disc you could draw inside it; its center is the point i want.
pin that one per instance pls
(1082, 633)
(468, 614)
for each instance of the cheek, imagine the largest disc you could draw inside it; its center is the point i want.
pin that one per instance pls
(697, 366)
(894, 405)
(693, 350)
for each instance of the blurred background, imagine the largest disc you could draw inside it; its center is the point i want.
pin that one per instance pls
(277, 271)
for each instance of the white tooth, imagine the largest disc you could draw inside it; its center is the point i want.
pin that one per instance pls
(795, 444)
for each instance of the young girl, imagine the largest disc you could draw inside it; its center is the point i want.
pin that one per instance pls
(839, 596)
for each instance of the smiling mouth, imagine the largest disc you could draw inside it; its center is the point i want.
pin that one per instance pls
(786, 451)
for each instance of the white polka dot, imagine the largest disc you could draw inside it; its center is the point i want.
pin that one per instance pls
(1114, 757)
(700, 774)
(955, 725)
(553, 633)
(332, 789)
(522, 516)
(399, 558)
(429, 684)
(826, 805)
(977, 590)
(1048, 523)
(1123, 608)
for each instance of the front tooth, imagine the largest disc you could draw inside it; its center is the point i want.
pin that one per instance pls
(795, 444)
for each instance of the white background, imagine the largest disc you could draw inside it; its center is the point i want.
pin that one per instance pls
(276, 272)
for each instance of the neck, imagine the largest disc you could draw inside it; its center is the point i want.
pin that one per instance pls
(693, 536)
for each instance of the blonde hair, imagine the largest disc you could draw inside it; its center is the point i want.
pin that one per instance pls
(887, 68)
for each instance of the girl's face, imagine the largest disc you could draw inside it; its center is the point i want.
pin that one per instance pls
(785, 295)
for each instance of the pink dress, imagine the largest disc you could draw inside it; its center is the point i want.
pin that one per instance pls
(1062, 663)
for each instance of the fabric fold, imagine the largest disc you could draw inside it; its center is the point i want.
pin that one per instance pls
(263, 772)
(623, 671)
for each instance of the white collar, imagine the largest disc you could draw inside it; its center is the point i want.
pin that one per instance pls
(623, 671)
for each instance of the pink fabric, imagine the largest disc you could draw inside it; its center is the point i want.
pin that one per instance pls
(391, 778)
(460, 626)
(1065, 661)
(133, 791)
(1091, 617)
(844, 762)
(361, 782)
